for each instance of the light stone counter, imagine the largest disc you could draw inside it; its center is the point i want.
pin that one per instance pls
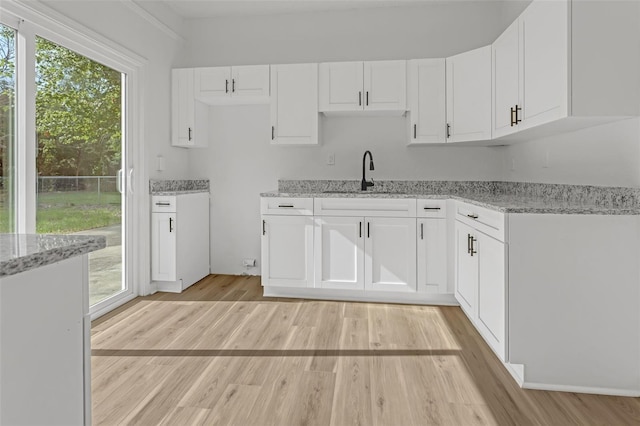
(22, 252)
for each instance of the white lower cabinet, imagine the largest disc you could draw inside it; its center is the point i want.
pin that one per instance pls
(376, 254)
(432, 256)
(287, 251)
(481, 287)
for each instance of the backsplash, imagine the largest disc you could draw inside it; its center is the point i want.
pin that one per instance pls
(619, 197)
(156, 186)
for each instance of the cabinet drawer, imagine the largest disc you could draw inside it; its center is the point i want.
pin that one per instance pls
(431, 208)
(490, 222)
(163, 203)
(374, 207)
(286, 206)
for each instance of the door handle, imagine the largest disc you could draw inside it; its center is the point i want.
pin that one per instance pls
(513, 123)
(367, 98)
(273, 132)
(226, 86)
(189, 133)
(130, 181)
(360, 229)
(264, 230)
(473, 250)
(119, 181)
(368, 223)
(422, 231)
(359, 98)
(432, 208)
(170, 224)
(233, 85)
(415, 130)
(468, 243)
(516, 110)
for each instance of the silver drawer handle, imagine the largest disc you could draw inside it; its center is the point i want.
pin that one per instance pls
(432, 208)
(163, 204)
(472, 216)
(289, 206)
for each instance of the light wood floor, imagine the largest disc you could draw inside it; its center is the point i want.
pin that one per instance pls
(220, 353)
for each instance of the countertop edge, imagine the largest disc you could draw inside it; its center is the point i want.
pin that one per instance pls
(28, 262)
(565, 210)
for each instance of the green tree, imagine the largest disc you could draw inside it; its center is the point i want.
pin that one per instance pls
(78, 113)
(7, 96)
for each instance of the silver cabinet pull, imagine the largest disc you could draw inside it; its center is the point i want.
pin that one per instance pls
(163, 204)
(288, 206)
(468, 243)
(170, 224)
(448, 130)
(473, 249)
(432, 208)
(472, 216)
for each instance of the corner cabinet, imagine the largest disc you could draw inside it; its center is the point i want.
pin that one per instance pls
(294, 104)
(469, 96)
(427, 101)
(287, 242)
(480, 259)
(363, 86)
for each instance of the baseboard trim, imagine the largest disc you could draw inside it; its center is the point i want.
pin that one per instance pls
(361, 296)
(582, 389)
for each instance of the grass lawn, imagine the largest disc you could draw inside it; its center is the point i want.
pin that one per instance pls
(65, 212)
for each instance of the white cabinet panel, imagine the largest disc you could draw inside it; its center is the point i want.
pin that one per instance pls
(385, 85)
(250, 80)
(341, 86)
(339, 248)
(492, 292)
(466, 270)
(213, 82)
(183, 107)
(469, 95)
(390, 254)
(163, 248)
(432, 256)
(506, 80)
(294, 104)
(427, 100)
(287, 251)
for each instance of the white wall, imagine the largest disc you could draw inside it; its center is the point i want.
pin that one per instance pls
(241, 163)
(606, 155)
(120, 23)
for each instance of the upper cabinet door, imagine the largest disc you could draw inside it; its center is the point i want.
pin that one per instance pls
(251, 80)
(427, 101)
(469, 95)
(183, 107)
(544, 55)
(213, 82)
(294, 104)
(506, 81)
(341, 86)
(385, 85)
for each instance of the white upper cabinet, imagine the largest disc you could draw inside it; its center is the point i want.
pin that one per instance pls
(530, 69)
(427, 100)
(565, 65)
(186, 111)
(469, 96)
(238, 84)
(294, 104)
(363, 86)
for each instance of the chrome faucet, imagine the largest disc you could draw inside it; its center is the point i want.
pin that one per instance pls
(364, 184)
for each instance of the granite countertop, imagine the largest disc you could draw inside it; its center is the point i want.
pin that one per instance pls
(506, 197)
(173, 193)
(22, 252)
(169, 187)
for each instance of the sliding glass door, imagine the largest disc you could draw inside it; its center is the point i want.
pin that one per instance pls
(7, 127)
(80, 146)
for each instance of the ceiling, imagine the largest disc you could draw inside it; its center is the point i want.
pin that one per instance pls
(190, 9)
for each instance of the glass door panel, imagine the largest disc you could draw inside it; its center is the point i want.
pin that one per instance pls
(7, 127)
(79, 131)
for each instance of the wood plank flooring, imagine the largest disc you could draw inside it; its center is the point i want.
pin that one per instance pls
(221, 354)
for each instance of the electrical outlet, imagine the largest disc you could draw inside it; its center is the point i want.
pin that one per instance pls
(248, 262)
(331, 159)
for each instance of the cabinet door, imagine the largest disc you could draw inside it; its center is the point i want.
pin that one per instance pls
(432, 256)
(426, 82)
(385, 85)
(506, 80)
(491, 312)
(250, 81)
(466, 267)
(163, 246)
(390, 254)
(294, 104)
(545, 71)
(469, 95)
(182, 107)
(341, 86)
(213, 82)
(339, 252)
(287, 251)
